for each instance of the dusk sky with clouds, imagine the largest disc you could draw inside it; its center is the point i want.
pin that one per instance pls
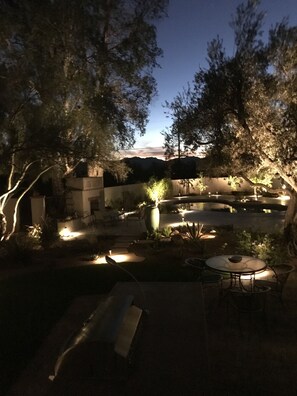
(183, 36)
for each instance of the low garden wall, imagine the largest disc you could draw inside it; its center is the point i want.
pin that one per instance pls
(72, 225)
(129, 195)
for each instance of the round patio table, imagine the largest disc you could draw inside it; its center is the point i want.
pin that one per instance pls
(244, 265)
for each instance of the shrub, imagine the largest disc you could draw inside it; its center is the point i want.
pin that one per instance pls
(194, 231)
(201, 185)
(156, 190)
(49, 232)
(166, 231)
(18, 249)
(271, 248)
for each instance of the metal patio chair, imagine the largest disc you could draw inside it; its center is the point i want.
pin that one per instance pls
(281, 274)
(249, 303)
(198, 271)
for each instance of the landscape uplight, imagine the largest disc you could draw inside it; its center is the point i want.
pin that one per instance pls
(109, 260)
(119, 257)
(67, 234)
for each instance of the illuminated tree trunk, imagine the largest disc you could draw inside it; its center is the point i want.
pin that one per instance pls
(3, 224)
(290, 226)
(13, 188)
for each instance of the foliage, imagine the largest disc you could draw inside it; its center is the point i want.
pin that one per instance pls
(234, 182)
(194, 231)
(243, 107)
(76, 83)
(188, 235)
(155, 235)
(175, 144)
(49, 232)
(35, 232)
(260, 178)
(186, 184)
(200, 183)
(166, 231)
(100, 63)
(18, 249)
(156, 190)
(268, 247)
(43, 234)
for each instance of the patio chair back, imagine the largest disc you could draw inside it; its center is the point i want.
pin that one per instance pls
(197, 269)
(250, 301)
(281, 274)
(250, 305)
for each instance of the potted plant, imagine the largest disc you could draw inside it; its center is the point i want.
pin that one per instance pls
(156, 191)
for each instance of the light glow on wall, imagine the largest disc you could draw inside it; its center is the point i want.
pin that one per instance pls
(66, 234)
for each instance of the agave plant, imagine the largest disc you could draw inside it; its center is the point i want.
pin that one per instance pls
(166, 231)
(194, 231)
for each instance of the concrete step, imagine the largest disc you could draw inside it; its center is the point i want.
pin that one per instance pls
(122, 244)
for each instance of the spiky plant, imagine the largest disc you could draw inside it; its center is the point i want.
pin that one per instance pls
(194, 231)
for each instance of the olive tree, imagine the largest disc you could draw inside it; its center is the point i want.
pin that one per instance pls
(244, 106)
(75, 84)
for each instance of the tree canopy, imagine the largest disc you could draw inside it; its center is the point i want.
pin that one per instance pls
(243, 106)
(75, 80)
(78, 74)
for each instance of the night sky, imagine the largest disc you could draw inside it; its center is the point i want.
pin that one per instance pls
(183, 36)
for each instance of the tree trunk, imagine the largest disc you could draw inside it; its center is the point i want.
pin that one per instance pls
(3, 226)
(290, 226)
(58, 186)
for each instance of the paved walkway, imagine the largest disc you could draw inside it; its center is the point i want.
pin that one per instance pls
(260, 361)
(170, 362)
(131, 229)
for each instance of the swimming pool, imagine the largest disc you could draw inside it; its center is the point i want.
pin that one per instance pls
(264, 214)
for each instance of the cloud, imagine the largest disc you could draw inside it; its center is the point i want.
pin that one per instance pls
(144, 152)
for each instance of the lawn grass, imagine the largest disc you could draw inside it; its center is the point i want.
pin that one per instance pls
(31, 303)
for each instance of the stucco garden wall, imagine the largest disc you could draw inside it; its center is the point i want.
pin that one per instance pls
(128, 195)
(213, 185)
(82, 191)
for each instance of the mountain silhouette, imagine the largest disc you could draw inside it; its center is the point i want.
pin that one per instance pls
(142, 169)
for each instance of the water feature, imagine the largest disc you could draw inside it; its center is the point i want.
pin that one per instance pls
(265, 214)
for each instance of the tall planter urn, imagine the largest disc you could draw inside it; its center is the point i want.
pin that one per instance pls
(152, 218)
